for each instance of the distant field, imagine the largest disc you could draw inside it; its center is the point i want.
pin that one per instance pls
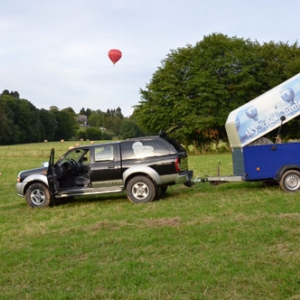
(232, 241)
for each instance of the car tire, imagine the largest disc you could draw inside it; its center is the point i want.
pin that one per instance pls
(140, 189)
(38, 195)
(290, 181)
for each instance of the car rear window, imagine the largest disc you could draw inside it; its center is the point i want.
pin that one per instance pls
(141, 149)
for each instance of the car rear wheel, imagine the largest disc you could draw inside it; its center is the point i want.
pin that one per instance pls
(290, 181)
(140, 189)
(38, 195)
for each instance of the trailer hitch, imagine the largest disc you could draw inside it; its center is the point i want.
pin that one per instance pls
(205, 179)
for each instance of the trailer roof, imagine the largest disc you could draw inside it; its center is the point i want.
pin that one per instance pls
(262, 114)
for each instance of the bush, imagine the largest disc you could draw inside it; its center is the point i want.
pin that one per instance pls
(106, 135)
(90, 133)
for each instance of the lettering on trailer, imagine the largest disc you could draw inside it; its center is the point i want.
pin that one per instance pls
(262, 114)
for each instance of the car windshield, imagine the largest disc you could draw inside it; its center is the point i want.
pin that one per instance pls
(75, 154)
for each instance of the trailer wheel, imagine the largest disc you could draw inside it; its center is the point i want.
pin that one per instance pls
(290, 181)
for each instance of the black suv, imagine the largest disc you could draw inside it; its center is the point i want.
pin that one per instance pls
(143, 167)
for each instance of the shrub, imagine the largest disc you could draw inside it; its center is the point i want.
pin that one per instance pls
(91, 133)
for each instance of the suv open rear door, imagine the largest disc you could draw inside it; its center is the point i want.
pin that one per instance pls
(165, 133)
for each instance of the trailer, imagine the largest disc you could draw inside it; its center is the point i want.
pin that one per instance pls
(254, 157)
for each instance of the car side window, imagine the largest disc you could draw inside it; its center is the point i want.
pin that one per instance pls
(142, 149)
(104, 153)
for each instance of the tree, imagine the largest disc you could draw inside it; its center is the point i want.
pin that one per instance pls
(277, 62)
(53, 108)
(15, 94)
(82, 111)
(5, 127)
(112, 120)
(66, 124)
(5, 93)
(96, 119)
(49, 125)
(87, 112)
(70, 110)
(93, 133)
(129, 129)
(24, 119)
(199, 85)
(22, 122)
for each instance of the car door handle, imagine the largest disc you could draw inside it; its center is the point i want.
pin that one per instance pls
(111, 167)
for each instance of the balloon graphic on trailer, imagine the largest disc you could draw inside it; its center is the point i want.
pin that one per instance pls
(114, 55)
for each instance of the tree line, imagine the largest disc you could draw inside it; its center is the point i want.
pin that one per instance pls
(21, 122)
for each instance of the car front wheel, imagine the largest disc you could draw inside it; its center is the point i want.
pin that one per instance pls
(38, 195)
(140, 189)
(290, 181)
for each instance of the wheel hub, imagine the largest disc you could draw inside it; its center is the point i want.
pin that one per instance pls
(292, 182)
(37, 197)
(140, 190)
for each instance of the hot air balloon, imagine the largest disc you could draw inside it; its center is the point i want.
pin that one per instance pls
(114, 55)
(252, 112)
(287, 94)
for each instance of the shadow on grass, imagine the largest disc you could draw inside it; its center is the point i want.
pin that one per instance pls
(224, 188)
(81, 200)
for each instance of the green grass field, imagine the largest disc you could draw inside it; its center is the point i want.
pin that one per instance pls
(232, 241)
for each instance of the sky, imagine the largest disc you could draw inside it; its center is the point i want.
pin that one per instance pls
(55, 53)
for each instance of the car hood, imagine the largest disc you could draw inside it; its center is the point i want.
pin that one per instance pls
(25, 173)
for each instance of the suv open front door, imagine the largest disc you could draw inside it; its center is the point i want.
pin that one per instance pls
(51, 175)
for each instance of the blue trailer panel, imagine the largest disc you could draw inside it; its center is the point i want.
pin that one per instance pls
(269, 161)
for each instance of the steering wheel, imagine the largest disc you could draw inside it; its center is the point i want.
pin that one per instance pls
(73, 165)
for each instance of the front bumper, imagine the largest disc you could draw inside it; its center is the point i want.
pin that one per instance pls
(20, 189)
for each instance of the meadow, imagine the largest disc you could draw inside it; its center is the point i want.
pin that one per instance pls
(231, 241)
